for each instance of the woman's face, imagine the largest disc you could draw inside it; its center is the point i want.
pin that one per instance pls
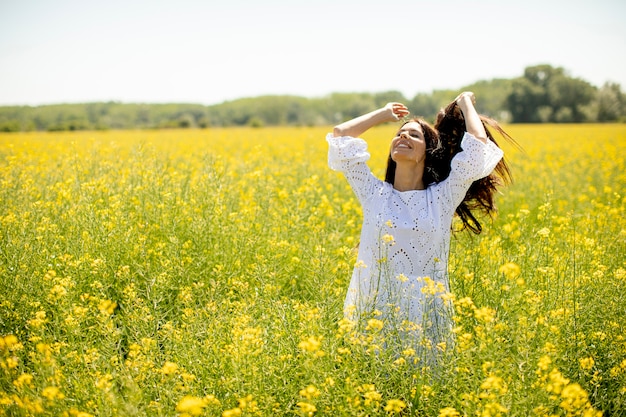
(409, 143)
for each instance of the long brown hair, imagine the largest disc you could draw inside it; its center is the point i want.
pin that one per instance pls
(443, 142)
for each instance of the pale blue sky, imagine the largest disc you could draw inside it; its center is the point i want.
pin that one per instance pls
(54, 51)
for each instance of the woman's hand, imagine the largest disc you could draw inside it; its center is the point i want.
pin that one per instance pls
(465, 99)
(473, 123)
(396, 111)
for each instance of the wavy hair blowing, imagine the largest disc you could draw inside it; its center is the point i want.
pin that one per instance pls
(443, 142)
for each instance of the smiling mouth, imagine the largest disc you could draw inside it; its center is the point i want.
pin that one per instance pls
(403, 145)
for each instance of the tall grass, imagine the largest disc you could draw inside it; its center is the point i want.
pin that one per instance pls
(203, 273)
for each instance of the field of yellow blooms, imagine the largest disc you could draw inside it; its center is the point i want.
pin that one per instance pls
(203, 273)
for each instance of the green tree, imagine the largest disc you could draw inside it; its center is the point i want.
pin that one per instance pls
(568, 96)
(547, 94)
(424, 105)
(610, 103)
(525, 101)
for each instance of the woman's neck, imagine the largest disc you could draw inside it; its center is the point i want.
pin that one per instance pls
(409, 177)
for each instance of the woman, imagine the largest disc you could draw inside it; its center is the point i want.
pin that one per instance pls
(401, 271)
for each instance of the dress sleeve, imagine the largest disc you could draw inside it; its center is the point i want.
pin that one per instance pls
(475, 161)
(349, 156)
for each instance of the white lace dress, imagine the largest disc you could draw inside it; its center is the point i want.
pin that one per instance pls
(401, 269)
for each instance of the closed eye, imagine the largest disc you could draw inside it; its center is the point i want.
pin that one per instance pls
(412, 133)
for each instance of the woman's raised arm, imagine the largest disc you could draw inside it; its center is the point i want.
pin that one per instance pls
(355, 127)
(473, 124)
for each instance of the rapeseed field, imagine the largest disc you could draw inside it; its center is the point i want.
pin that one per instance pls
(203, 273)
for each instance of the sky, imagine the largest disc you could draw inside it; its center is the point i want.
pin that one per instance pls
(208, 52)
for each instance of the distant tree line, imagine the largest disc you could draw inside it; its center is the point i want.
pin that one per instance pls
(544, 94)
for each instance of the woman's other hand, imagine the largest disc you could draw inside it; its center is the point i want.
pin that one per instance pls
(473, 123)
(396, 111)
(465, 99)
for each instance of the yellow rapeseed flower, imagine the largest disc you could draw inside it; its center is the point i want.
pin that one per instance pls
(10, 343)
(169, 368)
(310, 392)
(586, 363)
(248, 404)
(395, 406)
(360, 264)
(39, 320)
(372, 398)
(24, 380)
(192, 406)
(75, 413)
(485, 314)
(389, 239)
(374, 325)
(494, 383)
(233, 412)
(575, 401)
(306, 409)
(107, 307)
(448, 412)
(52, 393)
(312, 344)
(510, 270)
(545, 232)
(408, 352)
(103, 382)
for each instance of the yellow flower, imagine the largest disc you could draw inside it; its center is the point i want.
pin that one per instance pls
(575, 398)
(247, 403)
(545, 232)
(360, 264)
(544, 363)
(374, 325)
(306, 409)
(389, 239)
(399, 362)
(310, 392)
(556, 382)
(75, 413)
(11, 362)
(485, 314)
(311, 344)
(169, 368)
(24, 380)
(346, 325)
(233, 412)
(344, 351)
(190, 405)
(395, 406)
(372, 397)
(57, 292)
(107, 307)
(104, 382)
(510, 270)
(211, 400)
(8, 342)
(586, 363)
(448, 412)
(52, 393)
(408, 352)
(39, 320)
(494, 383)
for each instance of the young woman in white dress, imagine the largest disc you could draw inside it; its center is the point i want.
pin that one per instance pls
(432, 173)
